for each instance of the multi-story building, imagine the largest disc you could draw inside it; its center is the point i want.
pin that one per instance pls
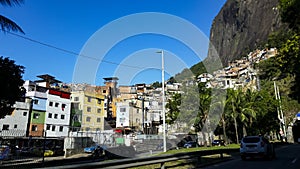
(57, 117)
(37, 117)
(128, 116)
(50, 114)
(88, 109)
(16, 123)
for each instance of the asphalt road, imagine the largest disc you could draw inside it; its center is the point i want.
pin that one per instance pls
(287, 157)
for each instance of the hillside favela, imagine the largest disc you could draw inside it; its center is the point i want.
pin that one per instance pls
(243, 114)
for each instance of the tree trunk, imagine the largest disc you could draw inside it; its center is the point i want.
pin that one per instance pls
(204, 138)
(244, 131)
(236, 131)
(224, 130)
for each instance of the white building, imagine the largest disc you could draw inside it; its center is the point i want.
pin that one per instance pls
(57, 118)
(127, 115)
(51, 109)
(15, 124)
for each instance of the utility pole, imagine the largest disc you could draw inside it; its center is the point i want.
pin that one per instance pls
(279, 111)
(143, 116)
(163, 99)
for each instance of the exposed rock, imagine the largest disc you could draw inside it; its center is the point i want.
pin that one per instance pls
(241, 26)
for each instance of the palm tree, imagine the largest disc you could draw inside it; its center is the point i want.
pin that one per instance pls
(7, 24)
(241, 107)
(232, 102)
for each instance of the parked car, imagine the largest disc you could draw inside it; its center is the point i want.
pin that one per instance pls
(218, 143)
(48, 153)
(25, 151)
(58, 151)
(5, 153)
(256, 146)
(92, 148)
(38, 151)
(190, 144)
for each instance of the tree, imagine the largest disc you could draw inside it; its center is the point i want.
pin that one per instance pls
(232, 101)
(173, 108)
(156, 85)
(240, 107)
(7, 24)
(11, 84)
(290, 13)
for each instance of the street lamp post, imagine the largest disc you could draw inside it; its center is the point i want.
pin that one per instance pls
(163, 100)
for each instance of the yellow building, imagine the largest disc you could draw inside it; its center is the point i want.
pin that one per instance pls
(88, 109)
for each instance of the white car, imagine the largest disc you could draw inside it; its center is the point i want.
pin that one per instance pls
(256, 146)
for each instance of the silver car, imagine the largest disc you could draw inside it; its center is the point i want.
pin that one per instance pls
(256, 146)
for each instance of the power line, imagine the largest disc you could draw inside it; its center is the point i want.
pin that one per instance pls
(69, 51)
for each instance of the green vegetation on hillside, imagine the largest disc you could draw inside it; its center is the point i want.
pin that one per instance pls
(249, 112)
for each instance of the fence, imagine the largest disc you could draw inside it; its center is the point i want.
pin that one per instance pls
(192, 157)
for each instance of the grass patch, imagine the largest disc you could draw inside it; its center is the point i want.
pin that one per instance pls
(192, 163)
(185, 150)
(182, 164)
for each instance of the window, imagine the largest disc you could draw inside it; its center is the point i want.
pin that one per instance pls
(76, 98)
(62, 116)
(75, 105)
(87, 129)
(36, 115)
(99, 101)
(63, 106)
(56, 104)
(98, 120)
(53, 128)
(55, 116)
(61, 128)
(88, 109)
(123, 109)
(48, 127)
(36, 101)
(50, 115)
(122, 120)
(104, 91)
(34, 128)
(5, 127)
(99, 111)
(89, 99)
(15, 126)
(50, 103)
(88, 119)
(24, 113)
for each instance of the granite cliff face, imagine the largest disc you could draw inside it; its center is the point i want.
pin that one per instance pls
(241, 26)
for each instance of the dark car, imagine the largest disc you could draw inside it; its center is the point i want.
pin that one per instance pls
(25, 151)
(190, 144)
(218, 143)
(58, 151)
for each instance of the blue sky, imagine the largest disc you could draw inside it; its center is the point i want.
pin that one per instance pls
(70, 24)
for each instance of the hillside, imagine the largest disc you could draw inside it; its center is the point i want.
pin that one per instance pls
(242, 26)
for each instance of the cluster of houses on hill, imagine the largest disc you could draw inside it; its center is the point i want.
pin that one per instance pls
(54, 109)
(239, 73)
